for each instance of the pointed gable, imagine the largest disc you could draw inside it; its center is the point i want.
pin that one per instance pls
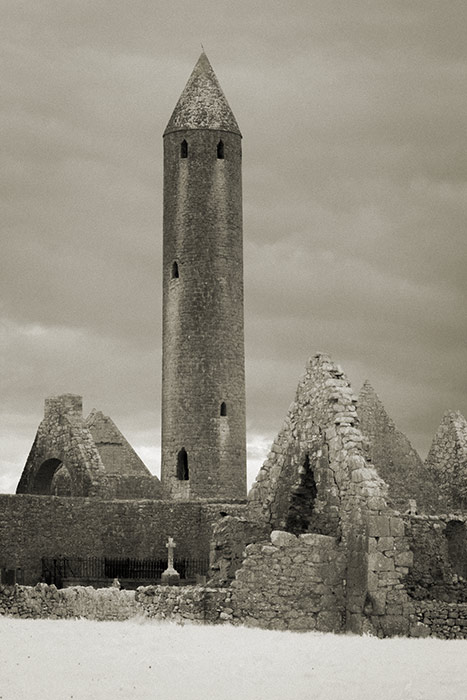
(202, 104)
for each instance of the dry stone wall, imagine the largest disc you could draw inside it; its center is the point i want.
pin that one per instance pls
(439, 619)
(447, 463)
(193, 604)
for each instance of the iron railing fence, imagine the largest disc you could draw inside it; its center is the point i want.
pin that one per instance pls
(58, 569)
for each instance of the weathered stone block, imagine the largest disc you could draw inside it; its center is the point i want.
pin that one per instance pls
(397, 527)
(378, 526)
(280, 538)
(379, 562)
(404, 559)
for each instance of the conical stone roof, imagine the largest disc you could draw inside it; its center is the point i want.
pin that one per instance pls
(202, 104)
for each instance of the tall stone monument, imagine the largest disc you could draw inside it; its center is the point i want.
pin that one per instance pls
(203, 382)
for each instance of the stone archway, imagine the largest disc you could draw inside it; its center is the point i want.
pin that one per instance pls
(42, 482)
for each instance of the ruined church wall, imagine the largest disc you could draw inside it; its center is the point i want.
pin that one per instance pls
(394, 458)
(439, 546)
(322, 428)
(63, 436)
(32, 527)
(293, 583)
(446, 463)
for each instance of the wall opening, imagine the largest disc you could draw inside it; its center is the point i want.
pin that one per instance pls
(175, 274)
(42, 484)
(457, 546)
(220, 150)
(302, 500)
(182, 465)
(184, 149)
(223, 409)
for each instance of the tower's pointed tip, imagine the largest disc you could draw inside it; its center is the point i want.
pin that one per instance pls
(202, 104)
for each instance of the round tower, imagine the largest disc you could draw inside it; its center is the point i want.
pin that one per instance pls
(203, 375)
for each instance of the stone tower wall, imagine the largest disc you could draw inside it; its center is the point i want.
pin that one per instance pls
(203, 347)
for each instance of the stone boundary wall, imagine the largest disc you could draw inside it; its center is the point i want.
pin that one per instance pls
(210, 605)
(32, 527)
(187, 603)
(438, 619)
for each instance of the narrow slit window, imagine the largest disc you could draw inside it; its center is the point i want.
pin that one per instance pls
(223, 409)
(184, 149)
(175, 274)
(182, 465)
(220, 150)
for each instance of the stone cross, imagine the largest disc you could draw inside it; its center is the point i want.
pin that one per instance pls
(170, 546)
(170, 577)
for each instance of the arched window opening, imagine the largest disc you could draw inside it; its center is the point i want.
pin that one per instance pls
(302, 500)
(175, 274)
(184, 149)
(182, 465)
(220, 149)
(223, 409)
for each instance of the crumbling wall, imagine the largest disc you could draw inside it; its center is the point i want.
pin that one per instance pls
(230, 537)
(76, 457)
(321, 435)
(439, 546)
(63, 459)
(394, 458)
(447, 463)
(292, 583)
(186, 604)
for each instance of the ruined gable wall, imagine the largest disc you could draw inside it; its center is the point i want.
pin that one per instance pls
(63, 437)
(116, 453)
(390, 451)
(446, 463)
(322, 424)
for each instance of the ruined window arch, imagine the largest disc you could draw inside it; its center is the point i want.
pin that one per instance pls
(302, 500)
(175, 273)
(182, 465)
(42, 484)
(223, 409)
(220, 150)
(184, 149)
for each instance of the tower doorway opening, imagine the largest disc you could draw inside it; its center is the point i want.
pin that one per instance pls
(183, 149)
(182, 465)
(223, 409)
(220, 150)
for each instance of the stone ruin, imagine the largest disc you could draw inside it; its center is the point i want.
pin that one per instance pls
(73, 456)
(319, 544)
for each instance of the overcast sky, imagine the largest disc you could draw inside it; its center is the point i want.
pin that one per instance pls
(353, 117)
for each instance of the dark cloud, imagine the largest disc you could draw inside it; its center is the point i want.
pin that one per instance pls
(355, 198)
